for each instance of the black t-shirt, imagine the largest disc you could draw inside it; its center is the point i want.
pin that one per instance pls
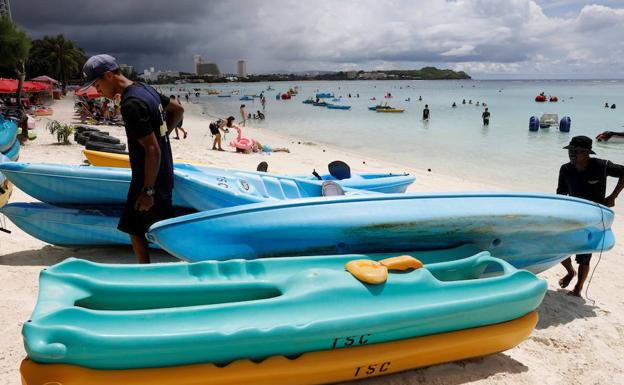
(485, 115)
(590, 184)
(139, 123)
(426, 113)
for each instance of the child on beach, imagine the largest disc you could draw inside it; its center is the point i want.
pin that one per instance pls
(179, 125)
(243, 115)
(585, 177)
(215, 129)
(259, 147)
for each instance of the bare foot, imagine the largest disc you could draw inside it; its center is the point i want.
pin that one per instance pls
(185, 135)
(575, 293)
(565, 281)
(221, 149)
(177, 138)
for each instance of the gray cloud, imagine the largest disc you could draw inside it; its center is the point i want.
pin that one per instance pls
(484, 35)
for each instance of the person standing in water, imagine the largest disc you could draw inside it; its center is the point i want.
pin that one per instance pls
(243, 115)
(586, 177)
(149, 118)
(426, 113)
(486, 117)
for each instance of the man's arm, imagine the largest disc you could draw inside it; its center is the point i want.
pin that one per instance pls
(615, 170)
(152, 165)
(173, 114)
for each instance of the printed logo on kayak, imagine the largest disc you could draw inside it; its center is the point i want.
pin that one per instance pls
(244, 185)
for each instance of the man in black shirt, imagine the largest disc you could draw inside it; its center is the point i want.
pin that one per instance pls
(142, 108)
(486, 117)
(426, 112)
(585, 177)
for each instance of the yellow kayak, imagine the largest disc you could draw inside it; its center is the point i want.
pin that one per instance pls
(321, 367)
(107, 159)
(390, 110)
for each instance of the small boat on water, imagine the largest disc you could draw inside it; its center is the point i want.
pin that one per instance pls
(379, 107)
(549, 120)
(390, 110)
(320, 104)
(338, 107)
(224, 96)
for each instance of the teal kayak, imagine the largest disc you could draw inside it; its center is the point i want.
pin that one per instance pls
(523, 229)
(8, 134)
(137, 316)
(12, 153)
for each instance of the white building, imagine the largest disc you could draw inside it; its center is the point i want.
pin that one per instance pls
(241, 67)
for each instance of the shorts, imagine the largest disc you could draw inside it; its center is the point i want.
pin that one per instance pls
(135, 222)
(583, 259)
(214, 130)
(486, 122)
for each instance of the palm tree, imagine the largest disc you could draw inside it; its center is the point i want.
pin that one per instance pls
(63, 58)
(14, 47)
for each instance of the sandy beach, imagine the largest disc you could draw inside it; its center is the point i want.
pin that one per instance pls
(577, 341)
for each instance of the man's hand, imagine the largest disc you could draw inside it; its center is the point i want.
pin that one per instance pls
(610, 201)
(144, 202)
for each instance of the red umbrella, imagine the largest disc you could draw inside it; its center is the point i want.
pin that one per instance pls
(31, 86)
(8, 86)
(90, 93)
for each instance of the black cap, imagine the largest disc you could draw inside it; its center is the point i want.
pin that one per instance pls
(580, 143)
(96, 67)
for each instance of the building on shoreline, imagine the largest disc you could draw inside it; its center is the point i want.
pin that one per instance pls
(5, 8)
(241, 67)
(203, 68)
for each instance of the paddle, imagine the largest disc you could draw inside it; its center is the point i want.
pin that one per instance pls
(339, 170)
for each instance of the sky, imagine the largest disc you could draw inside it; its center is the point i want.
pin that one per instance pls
(489, 39)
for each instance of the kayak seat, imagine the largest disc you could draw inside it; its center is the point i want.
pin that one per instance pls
(273, 187)
(331, 188)
(291, 189)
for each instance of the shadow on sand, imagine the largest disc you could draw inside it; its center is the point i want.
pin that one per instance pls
(454, 373)
(559, 308)
(49, 255)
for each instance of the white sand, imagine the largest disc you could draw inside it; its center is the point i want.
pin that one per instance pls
(576, 341)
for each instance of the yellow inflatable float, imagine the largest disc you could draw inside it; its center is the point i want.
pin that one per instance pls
(344, 364)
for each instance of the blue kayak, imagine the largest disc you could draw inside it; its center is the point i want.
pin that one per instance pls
(136, 316)
(8, 134)
(528, 230)
(13, 152)
(87, 186)
(338, 107)
(67, 226)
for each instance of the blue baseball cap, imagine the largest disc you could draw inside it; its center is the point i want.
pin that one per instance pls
(96, 67)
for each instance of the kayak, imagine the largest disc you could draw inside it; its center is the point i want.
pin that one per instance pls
(389, 109)
(73, 186)
(321, 367)
(196, 187)
(378, 182)
(13, 152)
(206, 188)
(64, 226)
(8, 134)
(67, 226)
(338, 107)
(526, 230)
(132, 316)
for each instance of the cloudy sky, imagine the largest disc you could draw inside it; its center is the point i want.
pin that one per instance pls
(486, 38)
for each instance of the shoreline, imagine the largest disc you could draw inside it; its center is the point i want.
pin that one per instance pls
(576, 341)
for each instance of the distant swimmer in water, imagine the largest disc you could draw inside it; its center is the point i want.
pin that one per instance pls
(420, 98)
(464, 101)
(477, 104)
(454, 105)
(426, 113)
(606, 104)
(470, 101)
(408, 99)
(486, 117)
(613, 106)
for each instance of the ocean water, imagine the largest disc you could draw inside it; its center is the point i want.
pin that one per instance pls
(454, 140)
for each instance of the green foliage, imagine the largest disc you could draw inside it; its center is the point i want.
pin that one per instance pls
(55, 57)
(62, 131)
(14, 44)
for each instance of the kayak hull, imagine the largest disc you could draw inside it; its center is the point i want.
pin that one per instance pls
(313, 368)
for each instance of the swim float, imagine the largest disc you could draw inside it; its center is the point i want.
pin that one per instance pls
(242, 143)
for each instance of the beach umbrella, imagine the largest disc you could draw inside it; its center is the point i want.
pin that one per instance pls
(90, 93)
(31, 86)
(8, 86)
(44, 79)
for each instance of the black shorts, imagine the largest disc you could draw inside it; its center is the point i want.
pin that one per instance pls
(214, 130)
(135, 222)
(583, 259)
(486, 122)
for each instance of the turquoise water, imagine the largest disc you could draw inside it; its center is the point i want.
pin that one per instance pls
(454, 141)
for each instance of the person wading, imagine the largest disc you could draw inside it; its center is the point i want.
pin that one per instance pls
(142, 109)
